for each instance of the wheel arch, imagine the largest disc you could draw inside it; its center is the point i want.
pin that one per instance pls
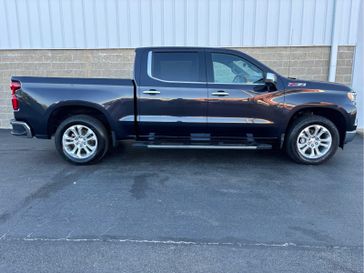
(59, 112)
(332, 114)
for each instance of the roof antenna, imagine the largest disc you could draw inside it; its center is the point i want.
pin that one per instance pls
(289, 52)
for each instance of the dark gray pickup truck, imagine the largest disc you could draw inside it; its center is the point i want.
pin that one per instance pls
(184, 97)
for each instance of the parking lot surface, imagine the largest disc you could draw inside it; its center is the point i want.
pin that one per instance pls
(143, 210)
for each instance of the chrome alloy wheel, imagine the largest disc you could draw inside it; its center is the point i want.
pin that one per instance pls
(79, 142)
(314, 141)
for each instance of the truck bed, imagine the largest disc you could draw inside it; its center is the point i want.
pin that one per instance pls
(40, 97)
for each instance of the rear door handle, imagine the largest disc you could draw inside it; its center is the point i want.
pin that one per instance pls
(220, 93)
(151, 92)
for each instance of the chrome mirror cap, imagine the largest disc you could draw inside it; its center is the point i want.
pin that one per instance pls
(270, 78)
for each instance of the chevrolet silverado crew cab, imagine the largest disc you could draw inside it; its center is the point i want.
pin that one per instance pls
(187, 97)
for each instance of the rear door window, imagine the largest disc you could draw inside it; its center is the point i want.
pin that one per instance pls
(176, 66)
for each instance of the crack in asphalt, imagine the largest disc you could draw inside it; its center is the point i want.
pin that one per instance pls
(173, 242)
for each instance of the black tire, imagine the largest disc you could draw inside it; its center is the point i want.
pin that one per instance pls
(300, 124)
(98, 129)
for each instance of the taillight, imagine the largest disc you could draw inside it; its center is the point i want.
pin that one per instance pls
(14, 100)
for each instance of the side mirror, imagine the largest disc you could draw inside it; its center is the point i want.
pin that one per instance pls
(270, 78)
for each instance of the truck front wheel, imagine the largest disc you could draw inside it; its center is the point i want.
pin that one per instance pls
(82, 139)
(312, 140)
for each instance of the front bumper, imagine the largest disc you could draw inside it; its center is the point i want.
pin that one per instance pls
(349, 136)
(20, 128)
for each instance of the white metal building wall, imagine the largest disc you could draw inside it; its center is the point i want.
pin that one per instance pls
(134, 23)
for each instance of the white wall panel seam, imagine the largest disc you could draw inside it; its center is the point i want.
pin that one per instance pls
(162, 23)
(6, 25)
(95, 22)
(128, 22)
(314, 22)
(278, 22)
(62, 23)
(17, 25)
(196, 25)
(242, 23)
(185, 22)
(41, 42)
(116, 10)
(28, 25)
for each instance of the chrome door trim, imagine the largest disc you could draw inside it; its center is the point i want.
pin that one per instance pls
(196, 119)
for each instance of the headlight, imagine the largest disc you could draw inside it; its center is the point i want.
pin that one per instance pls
(352, 96)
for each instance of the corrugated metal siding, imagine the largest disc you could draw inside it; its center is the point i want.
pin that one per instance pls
(134, 23)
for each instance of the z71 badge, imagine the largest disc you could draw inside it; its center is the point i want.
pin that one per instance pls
(296, 84)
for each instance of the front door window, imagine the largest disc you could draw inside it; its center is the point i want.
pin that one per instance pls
(231, 69)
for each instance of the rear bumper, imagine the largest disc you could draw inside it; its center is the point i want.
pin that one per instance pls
(20, 128)
(349, 136)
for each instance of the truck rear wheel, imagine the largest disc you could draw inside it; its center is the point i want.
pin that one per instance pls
(312, 140)
(82, 139)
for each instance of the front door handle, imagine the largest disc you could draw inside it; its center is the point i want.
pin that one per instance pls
(151, 92)
(220, 93)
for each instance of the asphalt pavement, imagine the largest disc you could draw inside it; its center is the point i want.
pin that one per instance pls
(143, 210)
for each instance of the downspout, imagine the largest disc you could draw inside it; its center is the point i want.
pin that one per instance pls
(334, 46)
(358, 69)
